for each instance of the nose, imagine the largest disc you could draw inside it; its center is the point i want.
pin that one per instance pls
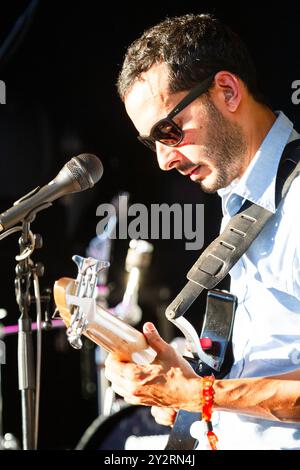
(167, 157)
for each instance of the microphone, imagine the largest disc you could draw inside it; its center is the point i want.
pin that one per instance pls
(78, 174)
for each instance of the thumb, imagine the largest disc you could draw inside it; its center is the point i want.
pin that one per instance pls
(153, 338)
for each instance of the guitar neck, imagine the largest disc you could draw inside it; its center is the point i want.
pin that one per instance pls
(105, 329)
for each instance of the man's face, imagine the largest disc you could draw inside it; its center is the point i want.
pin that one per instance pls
(211, 153)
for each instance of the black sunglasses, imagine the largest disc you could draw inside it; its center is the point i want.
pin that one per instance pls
(166, 130)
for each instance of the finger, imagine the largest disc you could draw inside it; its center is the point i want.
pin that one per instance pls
(159, 410)
(164, 416)
(163, 413)
(108, 374)
(132, 400)
(108, 359)
(120, 390)
(153, 338)
(164, 421)
(115, 367)
(113, 361)
(128, 397)
(117, 379)
(114, 376)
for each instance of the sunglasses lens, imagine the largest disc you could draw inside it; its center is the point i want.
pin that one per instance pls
(167, 133)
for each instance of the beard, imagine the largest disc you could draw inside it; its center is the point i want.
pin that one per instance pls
(224, 149)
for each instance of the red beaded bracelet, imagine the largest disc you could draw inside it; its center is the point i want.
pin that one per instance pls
(207, 404)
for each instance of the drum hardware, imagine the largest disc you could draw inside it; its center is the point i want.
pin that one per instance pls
(130, 428)
(137, 260)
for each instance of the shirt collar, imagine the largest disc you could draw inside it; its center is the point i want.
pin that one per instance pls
(258, 182)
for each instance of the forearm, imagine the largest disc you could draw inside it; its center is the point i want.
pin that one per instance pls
(275, 398)
(271, 398)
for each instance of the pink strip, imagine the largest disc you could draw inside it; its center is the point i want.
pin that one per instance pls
(11, 329)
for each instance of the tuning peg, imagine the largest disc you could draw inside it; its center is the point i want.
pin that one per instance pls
(84, 263)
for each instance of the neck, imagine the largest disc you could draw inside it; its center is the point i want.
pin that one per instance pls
(257, 129)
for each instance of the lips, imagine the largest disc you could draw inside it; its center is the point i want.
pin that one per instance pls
(194, 170)
(189, 172)
(199, 173)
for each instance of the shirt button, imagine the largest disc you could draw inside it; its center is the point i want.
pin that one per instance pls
(295, 356)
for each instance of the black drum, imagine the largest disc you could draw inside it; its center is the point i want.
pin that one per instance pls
(133, 427)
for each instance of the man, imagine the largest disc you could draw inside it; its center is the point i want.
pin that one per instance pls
(225, 138)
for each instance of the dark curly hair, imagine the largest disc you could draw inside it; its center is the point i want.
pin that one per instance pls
(193, 47)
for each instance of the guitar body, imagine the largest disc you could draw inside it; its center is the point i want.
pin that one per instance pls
(61, 288)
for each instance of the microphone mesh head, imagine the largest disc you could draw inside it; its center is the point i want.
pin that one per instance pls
(86, 169)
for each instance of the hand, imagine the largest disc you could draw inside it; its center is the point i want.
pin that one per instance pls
(168, 382)
(164, 416)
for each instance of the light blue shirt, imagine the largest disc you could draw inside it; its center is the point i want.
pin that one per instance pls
(266, 280)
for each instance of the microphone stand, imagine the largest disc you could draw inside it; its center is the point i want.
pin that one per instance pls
(25, 271)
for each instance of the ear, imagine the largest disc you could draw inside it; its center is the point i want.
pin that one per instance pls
(228, 90)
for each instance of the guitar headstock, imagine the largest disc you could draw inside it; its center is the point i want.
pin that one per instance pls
(76, 298)
(76, 302)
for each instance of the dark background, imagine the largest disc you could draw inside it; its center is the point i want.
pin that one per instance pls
(61, 101)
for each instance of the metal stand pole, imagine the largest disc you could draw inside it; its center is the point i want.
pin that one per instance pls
(26, 368)
(26, 381)
(2, 361)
